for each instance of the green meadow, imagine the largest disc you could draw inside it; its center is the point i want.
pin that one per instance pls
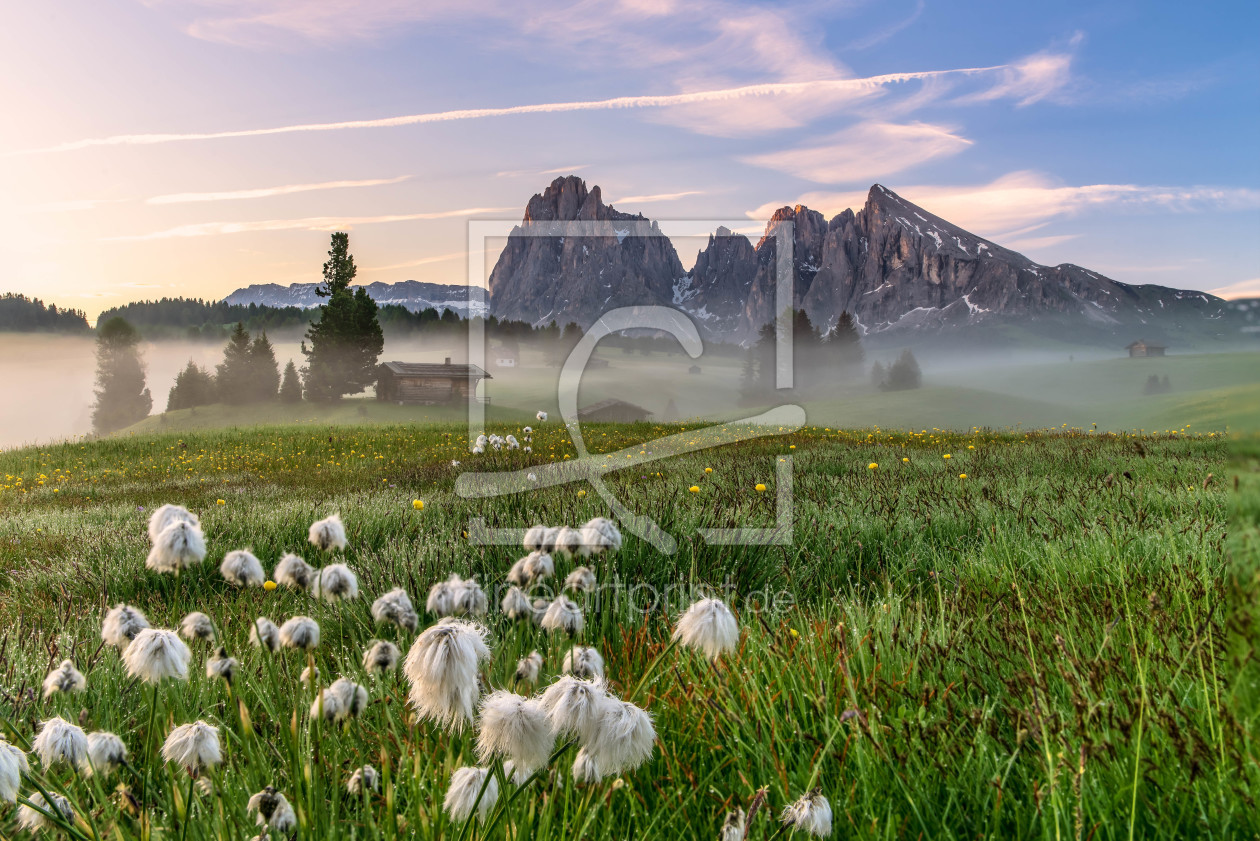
(1059, 645)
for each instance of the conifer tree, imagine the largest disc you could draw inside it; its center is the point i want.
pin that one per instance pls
(346, 341)
(121, 396)
(290, 385)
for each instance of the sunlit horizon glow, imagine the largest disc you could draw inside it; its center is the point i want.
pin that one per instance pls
(191, 149)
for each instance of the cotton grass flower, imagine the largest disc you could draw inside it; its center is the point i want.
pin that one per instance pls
(328, 534)
(708, 626)
(542, 417)
(575, 707)
(531, 569)
(568, 542)
(65, 678)
(106, 753)
(586, 768)
(584, 662)
(534, 537)
(180, 545)
(381, 657)
(563, 615)
(157, 654)
(735, 825)
(300, 632)
(581, 580)
(600, 535)
(194, 746)
(167, 515)
(309, 676)
(221, 665)
(365, 778)
(343, 699)
(528, 667)
(516, 728)
(470, 599)
(60, 741)
(810, 814)
(13, 764)
(264, 634)
(516, 604)
(121, 625)
(32, 819)
(197, 626)
(623, 738)
(242, 569)
(466, 787)
(395, 608)
(441, 668)
(335, 583)
(441, 600)
(273, 810)
(294, 573)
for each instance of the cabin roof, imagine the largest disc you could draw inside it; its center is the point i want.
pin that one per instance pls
(437, 369)
(1144, 343)
(609, 404)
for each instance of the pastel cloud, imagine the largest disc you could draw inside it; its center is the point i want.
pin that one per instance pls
(268, 192)
(312, 223)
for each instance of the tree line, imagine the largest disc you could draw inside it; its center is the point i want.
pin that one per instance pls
(20, 314)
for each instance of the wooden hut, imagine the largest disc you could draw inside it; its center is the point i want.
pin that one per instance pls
(613, 411)
(1142, 348)
(428, 382)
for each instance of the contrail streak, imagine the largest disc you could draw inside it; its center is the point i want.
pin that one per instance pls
(856, 86)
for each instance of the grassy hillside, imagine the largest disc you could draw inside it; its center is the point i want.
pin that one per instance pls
(1032, 651)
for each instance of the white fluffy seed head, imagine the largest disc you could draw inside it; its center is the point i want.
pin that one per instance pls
(60, 741)
(343, 699)
(710, 627)
(301, 632)
(121, 625)
(600, 535)
(395, 608)
(624, 737)
(581, 580)
(528, 668)
(584, 662)
(179, 545)
(328, 534)
(568, 541)
(531, 569)
(363, 779)
(575, 706)
(563, 614)
(193, 746)
(157, 654)
(810, 814)
(441, 669)
(534, 537)
(273, 810)
(381, 657)
(542, 417)
(335, 583)
(32, 819)
(165, 516)
(586, 768)
(441, 600)
(309, 676)
(242, 569)
(105, 754)
(221, 665)
(516, 604)
(294, 573)
(264, 634)
(470, 599)
(735, 826)
(466, 787)
(13, 764)
(516, 728)
(197, 626)
(64, 678)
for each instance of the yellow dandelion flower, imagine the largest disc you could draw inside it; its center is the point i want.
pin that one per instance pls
(269, 585)
(906, 460)
(417, 504)
(581, 494)
(872, 466)
(708, 470)
(220, 502)
(695, 489)
(962, 475)
(947, 455)
(759, 487)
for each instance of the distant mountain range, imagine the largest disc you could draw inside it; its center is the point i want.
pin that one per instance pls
(905, 275)
(412, 294)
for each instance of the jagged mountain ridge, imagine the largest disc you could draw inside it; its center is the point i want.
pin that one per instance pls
(896, 267)
(413, 294)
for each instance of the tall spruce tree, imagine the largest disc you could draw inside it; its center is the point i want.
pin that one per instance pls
(845, 342)
(264, 371)
(121, 396)
(904, 374)
(235, 374)
(346, 341)
(290, 385)
(194, 386)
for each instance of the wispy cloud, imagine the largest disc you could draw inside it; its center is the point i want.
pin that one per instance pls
(1241, 289)
(1013, 203)
(313, 223)
(865, 152)
(422, 261)
(624, 200)
(560, 170)
(267, 192)
(820, 87)
(882, 35)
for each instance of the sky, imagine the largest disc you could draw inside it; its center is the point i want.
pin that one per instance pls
(155, 148)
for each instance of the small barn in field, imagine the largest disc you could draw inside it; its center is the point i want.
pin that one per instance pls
(428, 382)
(1142, 348)
(613, 411)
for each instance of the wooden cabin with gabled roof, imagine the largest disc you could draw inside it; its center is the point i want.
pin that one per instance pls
(428, 382)
(1142, 348)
